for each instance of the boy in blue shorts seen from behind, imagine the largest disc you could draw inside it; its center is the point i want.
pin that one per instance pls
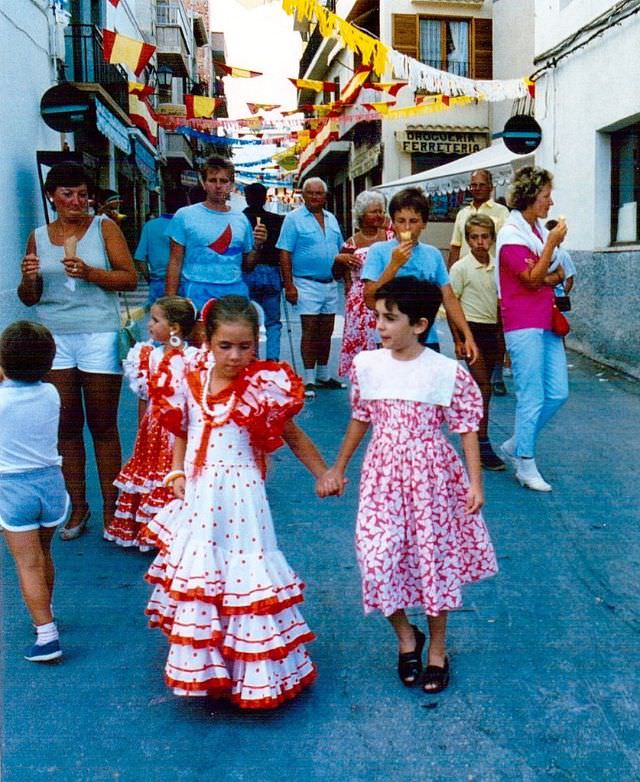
(33, 498)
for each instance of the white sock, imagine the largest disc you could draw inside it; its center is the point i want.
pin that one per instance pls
(309, 377)
(46, 633)
(322, 372)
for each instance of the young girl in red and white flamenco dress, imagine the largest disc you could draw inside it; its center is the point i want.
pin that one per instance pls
(224, 594)
(149, 369)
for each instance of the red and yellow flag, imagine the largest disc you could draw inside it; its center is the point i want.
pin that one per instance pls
(121, 50)
(241, 73)
(137, 88)
(200, 106)
(392, 87)
(312, 84)
(254, 108)
(354, 85)
(143, 116)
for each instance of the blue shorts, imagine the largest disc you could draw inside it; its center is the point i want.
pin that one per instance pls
(33, 499)
(201, 292)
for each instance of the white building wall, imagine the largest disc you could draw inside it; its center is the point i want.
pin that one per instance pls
(513, 47)
(397, 164)
(589, 94)
(25, 38)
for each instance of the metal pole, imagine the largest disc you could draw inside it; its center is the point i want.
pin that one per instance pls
(287, 318)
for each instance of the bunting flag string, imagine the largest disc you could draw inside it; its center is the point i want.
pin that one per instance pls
(200, 106)
(239, 73)
(254, 108)
(122, 50)
(143, 116)
(316, 86)
(416, 74)
(220, 140)
(392, 87)
(137, 88)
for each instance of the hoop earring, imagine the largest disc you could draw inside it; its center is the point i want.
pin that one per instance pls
(174, 340)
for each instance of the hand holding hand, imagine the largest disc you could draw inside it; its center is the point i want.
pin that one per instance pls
(332, 483)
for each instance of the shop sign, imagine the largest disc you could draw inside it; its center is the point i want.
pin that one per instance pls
(189, 178)
(430, 142)
(65, 108)
(363, 160)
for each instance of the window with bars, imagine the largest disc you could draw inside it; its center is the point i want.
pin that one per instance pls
(444, 44)
(625, 185)
(458, 45)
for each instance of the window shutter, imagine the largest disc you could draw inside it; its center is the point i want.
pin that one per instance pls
(405, 34)
(482, 49)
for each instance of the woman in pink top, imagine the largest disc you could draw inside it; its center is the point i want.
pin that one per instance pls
(527, 276)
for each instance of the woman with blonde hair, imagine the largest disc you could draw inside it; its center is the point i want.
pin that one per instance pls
(527, 275)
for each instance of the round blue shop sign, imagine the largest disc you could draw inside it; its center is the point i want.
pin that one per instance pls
(522, 134)
(65, 108)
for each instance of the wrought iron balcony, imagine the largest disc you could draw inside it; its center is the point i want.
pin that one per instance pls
(85, 63)
(457, 68)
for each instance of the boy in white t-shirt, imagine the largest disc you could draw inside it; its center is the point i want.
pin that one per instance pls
(33, 498)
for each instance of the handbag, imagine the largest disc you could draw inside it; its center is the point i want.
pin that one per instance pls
(559, 324)
(563, 303)
(129, 333)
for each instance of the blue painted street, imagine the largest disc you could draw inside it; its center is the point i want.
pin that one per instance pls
(545, 657)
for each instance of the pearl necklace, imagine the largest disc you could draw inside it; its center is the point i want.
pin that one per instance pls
(219, 421)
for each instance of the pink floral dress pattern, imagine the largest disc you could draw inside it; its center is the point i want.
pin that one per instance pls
(359, 332)
(415, 542)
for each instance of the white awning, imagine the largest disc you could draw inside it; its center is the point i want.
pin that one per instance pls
(455, 176)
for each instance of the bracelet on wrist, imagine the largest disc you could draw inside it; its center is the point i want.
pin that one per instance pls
(170, 477)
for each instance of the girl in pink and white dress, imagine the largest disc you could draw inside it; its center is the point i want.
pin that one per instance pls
(419, 534)
(224, 594)
(148, 369)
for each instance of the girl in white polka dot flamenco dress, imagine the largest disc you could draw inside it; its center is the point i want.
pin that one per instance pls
(147, 368)
(224, 594)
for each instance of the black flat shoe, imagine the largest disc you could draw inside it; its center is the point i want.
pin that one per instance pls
(436, 677)
(410, 663)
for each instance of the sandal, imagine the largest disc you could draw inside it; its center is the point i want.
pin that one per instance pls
(436, 677)
(410, 663)
(71, 533)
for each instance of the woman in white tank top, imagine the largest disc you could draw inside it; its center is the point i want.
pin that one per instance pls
(71, 273)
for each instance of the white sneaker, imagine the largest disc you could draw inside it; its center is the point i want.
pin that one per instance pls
(508, 452)
(528, 476)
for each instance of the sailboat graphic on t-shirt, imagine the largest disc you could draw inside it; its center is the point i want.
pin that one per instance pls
(221, 244)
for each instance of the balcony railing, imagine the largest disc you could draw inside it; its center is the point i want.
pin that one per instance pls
(85, 63)
(457, 68)
(172, 24)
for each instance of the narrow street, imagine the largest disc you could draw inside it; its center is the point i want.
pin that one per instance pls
(545, 657)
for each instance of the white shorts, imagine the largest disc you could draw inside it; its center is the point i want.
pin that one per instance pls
(95, 352)
(316, 298)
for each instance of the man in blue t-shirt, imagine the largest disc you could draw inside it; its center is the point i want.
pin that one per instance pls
(309, 241)
(406, 256)
(153, 247)
(210, 245)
